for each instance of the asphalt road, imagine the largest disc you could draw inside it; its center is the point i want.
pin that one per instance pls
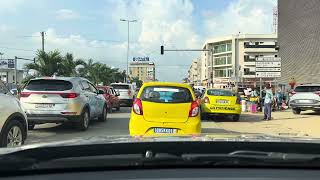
(117, 124)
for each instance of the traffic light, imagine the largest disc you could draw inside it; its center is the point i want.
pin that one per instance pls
(162, 50)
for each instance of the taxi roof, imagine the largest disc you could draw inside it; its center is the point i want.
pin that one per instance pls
(184, 85)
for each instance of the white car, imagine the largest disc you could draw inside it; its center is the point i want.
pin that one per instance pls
(72, 100)
(305, 97)
(126, 93)
(13, 120)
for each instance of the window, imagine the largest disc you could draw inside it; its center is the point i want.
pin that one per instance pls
(229, 59)
(166, 94)
(92, 88)
(219, 92)
(120, 86)
(229, 47)
(49, 85)
(307, 88)
(85, 86)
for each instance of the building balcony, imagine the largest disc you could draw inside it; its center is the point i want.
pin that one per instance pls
(221, 53)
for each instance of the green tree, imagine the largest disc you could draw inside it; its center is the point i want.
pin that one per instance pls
(69, 65)
(137, 81)
(47, 64)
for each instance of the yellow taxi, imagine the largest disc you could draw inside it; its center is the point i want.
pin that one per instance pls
(165, 109)
(221, 102)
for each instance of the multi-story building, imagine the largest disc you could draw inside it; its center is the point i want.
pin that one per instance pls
(194, 72)
(145, 71)
(232, 58)
(298, 30)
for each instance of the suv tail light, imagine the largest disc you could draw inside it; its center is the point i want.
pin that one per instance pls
(206, 100)
(25, 94)
(137, 106)
(194, 110)
(317, 93)
(69, 95)
(293, 93)
(129, 92)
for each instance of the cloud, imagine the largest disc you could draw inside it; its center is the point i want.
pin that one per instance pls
(10, 5)
(4, 28)
(66, 14)
(245, 16)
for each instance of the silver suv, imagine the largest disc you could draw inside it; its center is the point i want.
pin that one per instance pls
(305, 97)
(13, 120)
(63, 99)
(126, 91)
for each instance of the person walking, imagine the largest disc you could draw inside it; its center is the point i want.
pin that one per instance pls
(268, 103)
(279, 99)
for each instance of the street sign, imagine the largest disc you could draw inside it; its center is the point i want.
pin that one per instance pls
(264, 64)
(268, 74)
(6, 63)
(268, 59)
(269, 69)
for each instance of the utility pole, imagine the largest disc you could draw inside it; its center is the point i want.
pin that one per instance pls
(128, 47)
(42, 39)
(15, 70)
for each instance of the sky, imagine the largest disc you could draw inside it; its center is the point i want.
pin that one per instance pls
(92, 29)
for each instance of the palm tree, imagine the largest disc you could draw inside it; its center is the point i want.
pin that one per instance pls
(70, 65)
(46, 64)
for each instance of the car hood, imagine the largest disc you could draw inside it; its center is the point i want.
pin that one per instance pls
(217, 137)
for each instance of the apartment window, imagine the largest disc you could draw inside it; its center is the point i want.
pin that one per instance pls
(229, 59)
(223, 72)
(229, 47)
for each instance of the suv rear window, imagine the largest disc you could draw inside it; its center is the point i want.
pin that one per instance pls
(48, 85)
(218, 92)
(120, 86)
(166, 94)
(307, 88)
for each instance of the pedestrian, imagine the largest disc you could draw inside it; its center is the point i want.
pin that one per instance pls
(279, 99)
(268, 102)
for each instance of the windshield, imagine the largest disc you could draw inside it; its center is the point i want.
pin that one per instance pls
(48, 85)
(119, 86)
(215, 92)
(307, 88)
(166, 94)
(79, 71)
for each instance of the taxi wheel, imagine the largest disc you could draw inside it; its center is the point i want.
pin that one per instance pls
(236, 118)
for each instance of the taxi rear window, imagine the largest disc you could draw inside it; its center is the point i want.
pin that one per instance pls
(166, 94)
(220, 92)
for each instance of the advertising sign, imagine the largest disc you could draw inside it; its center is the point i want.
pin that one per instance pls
(264, 64)
(268, 74)
(140, 59)
(6, 64)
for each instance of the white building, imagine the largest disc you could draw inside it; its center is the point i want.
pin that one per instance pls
(225, 54)
(194, 72)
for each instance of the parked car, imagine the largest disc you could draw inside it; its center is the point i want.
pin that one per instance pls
(111, 97)
(13, 120)
(61, 100)
(305, 97)
(163, 108)
(126, 93)
(221, 102)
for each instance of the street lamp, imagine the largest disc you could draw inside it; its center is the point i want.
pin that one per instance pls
(128, 21)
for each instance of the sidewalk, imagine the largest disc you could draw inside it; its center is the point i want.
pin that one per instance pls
(284, 123)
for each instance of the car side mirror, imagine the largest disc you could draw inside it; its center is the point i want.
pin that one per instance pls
(100, 91)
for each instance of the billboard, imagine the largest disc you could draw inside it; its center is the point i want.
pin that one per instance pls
(7, 64)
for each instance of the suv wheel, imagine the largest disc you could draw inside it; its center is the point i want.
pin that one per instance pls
(13, 134)
(83, 124)
(104, 115)
(296, 111)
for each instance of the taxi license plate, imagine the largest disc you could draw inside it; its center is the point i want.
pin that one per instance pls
(165, 130)
(222, 101)
(42, 106)
(222, 108)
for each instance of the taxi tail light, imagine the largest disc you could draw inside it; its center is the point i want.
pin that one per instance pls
(194, 110)
(206, 100)
(137, 106)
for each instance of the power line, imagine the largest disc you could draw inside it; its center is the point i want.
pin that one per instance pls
(17, 49)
